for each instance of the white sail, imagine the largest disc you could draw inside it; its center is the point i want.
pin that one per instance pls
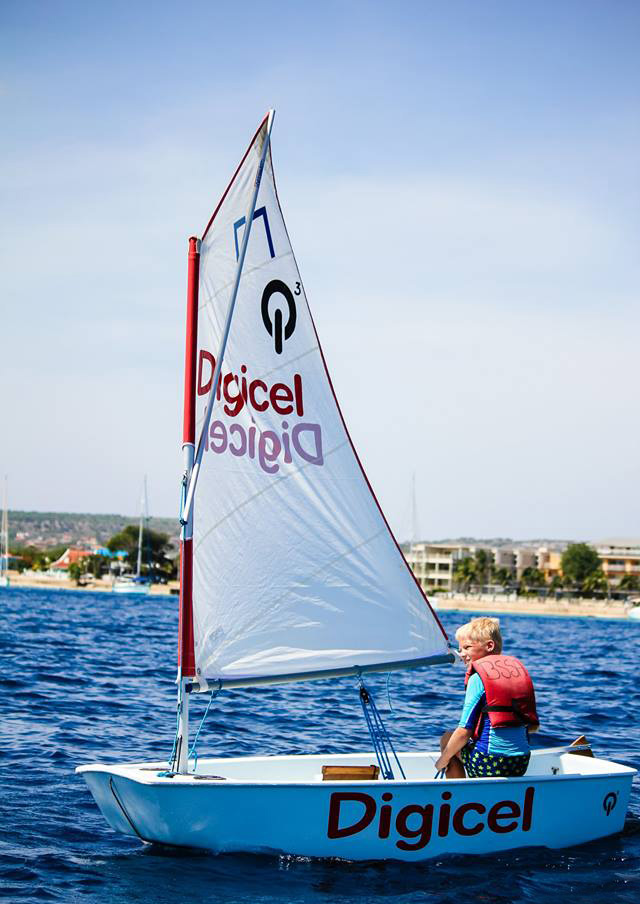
(295, 568)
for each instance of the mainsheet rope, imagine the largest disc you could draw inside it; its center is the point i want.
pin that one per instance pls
(380, 739)
(382, 743)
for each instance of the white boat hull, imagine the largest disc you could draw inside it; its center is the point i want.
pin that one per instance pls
(281, 805)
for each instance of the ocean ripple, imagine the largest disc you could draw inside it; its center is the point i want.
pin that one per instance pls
(89, 677)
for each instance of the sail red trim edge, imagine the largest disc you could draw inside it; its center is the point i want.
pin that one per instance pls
(353, 448)
(233, 178)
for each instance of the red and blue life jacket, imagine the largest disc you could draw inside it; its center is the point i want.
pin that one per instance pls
(511, 699)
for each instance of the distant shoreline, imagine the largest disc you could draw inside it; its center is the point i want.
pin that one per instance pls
(583, 608)
(45, 582)
(531, 606)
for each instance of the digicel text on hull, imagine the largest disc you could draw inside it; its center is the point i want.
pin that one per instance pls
(416, 823)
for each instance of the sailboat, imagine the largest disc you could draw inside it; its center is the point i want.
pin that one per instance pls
(136, 583)
(290, 572)
(4, 539)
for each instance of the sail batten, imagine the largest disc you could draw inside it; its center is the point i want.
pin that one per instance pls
(294, 562)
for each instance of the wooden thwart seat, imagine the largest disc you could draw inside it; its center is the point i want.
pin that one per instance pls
(350, 773)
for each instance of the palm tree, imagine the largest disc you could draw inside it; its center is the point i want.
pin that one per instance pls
(464, 572)
(596, 582)
(532, 579)
(502, 576)
(555, 583)
(629, 582)
(483, 562)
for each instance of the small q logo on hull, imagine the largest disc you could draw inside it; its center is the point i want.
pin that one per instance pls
(609, 802)
(276, 328)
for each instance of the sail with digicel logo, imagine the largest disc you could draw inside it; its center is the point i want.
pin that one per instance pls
(296, 571)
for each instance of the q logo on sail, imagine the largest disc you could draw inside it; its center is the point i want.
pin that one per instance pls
(279, 331)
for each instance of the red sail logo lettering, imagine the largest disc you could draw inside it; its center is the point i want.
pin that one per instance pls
(270, 448)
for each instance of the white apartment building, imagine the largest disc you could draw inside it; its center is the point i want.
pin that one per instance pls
(525, 558)
(433, 563)
(504, 557)
(619, 557)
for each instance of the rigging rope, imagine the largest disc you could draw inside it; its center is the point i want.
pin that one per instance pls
(380, 739)
(193, 752)
(174, 750)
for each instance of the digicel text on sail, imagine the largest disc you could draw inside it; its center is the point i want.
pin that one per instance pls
(239, 391)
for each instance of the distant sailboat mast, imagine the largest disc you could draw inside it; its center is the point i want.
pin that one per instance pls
(144, 516)
(4, 534)
(415, 528)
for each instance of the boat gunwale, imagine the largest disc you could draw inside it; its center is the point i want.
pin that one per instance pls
(131, 771)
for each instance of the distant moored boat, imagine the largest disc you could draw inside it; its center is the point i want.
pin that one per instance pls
(136, 583)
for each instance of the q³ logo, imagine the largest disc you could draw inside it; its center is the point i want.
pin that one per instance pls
(609, 802)
(279, 330)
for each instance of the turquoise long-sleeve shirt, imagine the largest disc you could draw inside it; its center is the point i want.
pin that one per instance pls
(504, 741)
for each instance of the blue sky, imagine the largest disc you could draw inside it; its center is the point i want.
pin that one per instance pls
(460, 182)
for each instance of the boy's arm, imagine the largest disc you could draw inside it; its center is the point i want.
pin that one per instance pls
(473, 701)
(455, 744)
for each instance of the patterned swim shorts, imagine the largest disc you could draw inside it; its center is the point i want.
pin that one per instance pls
(481, 765)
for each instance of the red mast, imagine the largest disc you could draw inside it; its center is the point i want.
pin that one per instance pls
(186, 656)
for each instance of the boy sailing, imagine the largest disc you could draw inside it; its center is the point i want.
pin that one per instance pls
(499, 710)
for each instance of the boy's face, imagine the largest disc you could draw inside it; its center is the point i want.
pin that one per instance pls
(470, 650)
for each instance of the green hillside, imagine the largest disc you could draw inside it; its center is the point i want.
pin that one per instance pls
(46, 529)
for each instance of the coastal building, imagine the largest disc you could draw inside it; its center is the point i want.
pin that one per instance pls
(504, 557)
(549, 563)
(525, 558)
(433, 564)
(70, 556)
(619, 558)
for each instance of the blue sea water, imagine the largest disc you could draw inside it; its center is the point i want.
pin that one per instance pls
(89, 677)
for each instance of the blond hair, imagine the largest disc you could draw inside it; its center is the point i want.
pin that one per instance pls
(481, 630)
